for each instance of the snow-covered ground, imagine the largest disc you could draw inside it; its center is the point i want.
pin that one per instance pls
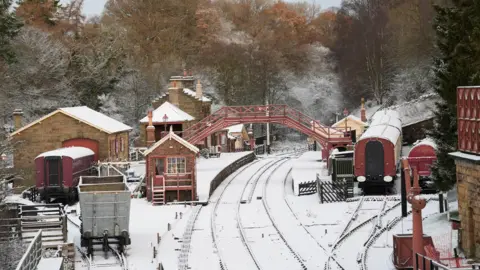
(306, 168)
(207, 169)
(254, 218)
(146, 221)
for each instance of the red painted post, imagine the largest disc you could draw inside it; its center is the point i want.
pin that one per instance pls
(417, 205)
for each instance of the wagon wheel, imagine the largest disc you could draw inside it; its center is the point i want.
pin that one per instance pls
(121, 245)
(105, 242)
(90, 247)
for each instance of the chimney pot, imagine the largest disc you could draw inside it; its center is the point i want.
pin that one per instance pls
(17, 118)
(150, 129)
(363, 113)
(150, 116)
(184, 72)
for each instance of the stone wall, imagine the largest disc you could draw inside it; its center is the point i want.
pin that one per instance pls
(468, 189)
(49, 134)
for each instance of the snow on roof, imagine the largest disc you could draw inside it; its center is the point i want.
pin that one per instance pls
(385, 124)
(235, 129)
(87, 116)
(350, 117)
(193, 94)
(190, 93)
(170, 136)
(96, 119)
(73, 152)
(426, 141)
(173, 113)
(411, 112)
(461, 155)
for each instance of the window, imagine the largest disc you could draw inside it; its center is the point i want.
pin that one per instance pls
(122, 146)
(112, 147)
(116, 146)
(159, 166)
(176, 165)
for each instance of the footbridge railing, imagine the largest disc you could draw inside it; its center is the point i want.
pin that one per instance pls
(279, 114)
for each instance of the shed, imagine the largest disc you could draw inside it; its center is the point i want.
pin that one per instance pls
(171, 170)
(352, 123)
(230, 139)
(66, 127)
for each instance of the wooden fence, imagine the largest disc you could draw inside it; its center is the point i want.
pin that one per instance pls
(229, 170)
(48, 217)
(307, 188)
(32, 256)
(259, 149)
(334, 191)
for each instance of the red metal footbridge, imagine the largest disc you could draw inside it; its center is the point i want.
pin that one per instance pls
(227, 116)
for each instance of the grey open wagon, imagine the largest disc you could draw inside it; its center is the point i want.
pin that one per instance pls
(105, 212)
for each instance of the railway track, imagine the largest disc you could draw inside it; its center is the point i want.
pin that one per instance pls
(269, 227)
(347, 232)
(304, 228)
(254, 181)
(274, 223)
(121, 263)
(187, 239)
(213, 226)
(378, 233)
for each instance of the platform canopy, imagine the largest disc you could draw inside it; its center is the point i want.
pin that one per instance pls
(168, 113)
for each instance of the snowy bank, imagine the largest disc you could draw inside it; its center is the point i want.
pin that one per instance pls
(207, 170)
(306, 167)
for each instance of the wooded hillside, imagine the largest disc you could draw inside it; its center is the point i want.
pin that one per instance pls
(245, 52)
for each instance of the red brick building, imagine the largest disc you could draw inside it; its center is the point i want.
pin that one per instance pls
(64, 127)
(171, 167)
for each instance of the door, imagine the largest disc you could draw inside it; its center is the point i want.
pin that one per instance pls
(374, 160)
(53, 171)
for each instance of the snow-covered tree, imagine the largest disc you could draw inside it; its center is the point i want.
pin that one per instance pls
(37, 82)
(411, 82)
(108, 106)
(318, 90)
(9, 27)
(457, 38)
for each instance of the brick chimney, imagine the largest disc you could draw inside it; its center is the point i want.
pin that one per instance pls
(363, 113)
(17, 118)
(198, 90)
(150, 129)
(174, 94)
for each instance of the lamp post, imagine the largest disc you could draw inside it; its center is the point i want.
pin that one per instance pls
(165, 119)
(345, 113)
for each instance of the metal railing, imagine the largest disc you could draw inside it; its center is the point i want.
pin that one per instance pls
(426, 263)
(32, 256)
(136, 153)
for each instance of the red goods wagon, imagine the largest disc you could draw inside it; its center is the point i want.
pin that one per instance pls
(422, 156)
(377, 152)
(58, 172)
